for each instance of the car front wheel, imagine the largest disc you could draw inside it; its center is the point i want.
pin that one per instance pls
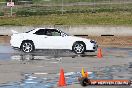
(79, 48)
(27, 47)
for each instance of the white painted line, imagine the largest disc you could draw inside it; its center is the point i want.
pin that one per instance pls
(31, 82)
(40, 73)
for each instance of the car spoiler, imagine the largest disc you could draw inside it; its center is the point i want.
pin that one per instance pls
(14, 32)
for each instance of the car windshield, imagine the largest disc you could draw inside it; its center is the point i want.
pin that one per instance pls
(29, 31)
(64, 33)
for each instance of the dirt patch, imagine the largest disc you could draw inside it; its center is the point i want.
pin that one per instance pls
(5, 39)
(114, 41)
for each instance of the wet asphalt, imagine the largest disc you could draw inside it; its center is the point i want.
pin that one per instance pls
(41, 68)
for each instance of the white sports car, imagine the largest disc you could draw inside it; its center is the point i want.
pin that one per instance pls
(50, 38)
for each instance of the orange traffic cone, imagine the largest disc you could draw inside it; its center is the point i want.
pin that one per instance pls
(99, 55)
(62, 81)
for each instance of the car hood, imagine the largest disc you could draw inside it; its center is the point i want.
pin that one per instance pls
(79, 38)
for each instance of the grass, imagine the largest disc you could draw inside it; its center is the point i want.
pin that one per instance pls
(2, 0)
(107, 14)
(71, 19)
(48, 10)
(58, 1)
(65, 1)
(73, 1)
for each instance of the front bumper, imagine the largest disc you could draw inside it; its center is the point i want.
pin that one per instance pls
(95, 47)
(92, 48)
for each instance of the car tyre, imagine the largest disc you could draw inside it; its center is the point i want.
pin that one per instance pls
(27, 47)
(79, 48)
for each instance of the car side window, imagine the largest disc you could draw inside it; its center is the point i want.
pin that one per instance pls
(56, 33)
(40, 32)
(48, 32)
(52, 32)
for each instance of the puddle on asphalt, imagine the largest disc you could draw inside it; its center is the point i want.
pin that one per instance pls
(30, 80)
(7, 53)
(117, 52)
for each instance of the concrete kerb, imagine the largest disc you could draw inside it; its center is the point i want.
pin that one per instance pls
(75, 30)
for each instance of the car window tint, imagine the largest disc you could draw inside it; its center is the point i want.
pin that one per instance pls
(52, 32)
(40, 32)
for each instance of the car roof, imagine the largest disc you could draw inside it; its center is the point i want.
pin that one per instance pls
(41, 28)
(45, 28)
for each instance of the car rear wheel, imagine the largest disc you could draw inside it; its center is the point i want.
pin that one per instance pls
(27, 47)
(79, 48)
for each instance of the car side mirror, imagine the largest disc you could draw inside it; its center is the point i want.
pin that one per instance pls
(62, 34)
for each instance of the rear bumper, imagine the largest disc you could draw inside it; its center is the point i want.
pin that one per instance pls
(15, 41)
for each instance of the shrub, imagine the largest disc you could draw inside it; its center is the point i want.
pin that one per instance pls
(36, 12)
(1, 13)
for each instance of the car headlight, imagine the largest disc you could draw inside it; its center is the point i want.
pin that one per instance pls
(92, 41)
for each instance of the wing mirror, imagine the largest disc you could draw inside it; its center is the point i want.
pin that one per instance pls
(63, 34)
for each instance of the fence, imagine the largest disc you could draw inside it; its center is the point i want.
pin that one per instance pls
(46, 7)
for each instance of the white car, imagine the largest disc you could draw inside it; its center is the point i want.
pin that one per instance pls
(50, 38)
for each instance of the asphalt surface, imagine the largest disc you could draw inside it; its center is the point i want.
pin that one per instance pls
(41, 68)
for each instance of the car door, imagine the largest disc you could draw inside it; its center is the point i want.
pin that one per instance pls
(55, 40)
(50, 39)
(40, 39)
